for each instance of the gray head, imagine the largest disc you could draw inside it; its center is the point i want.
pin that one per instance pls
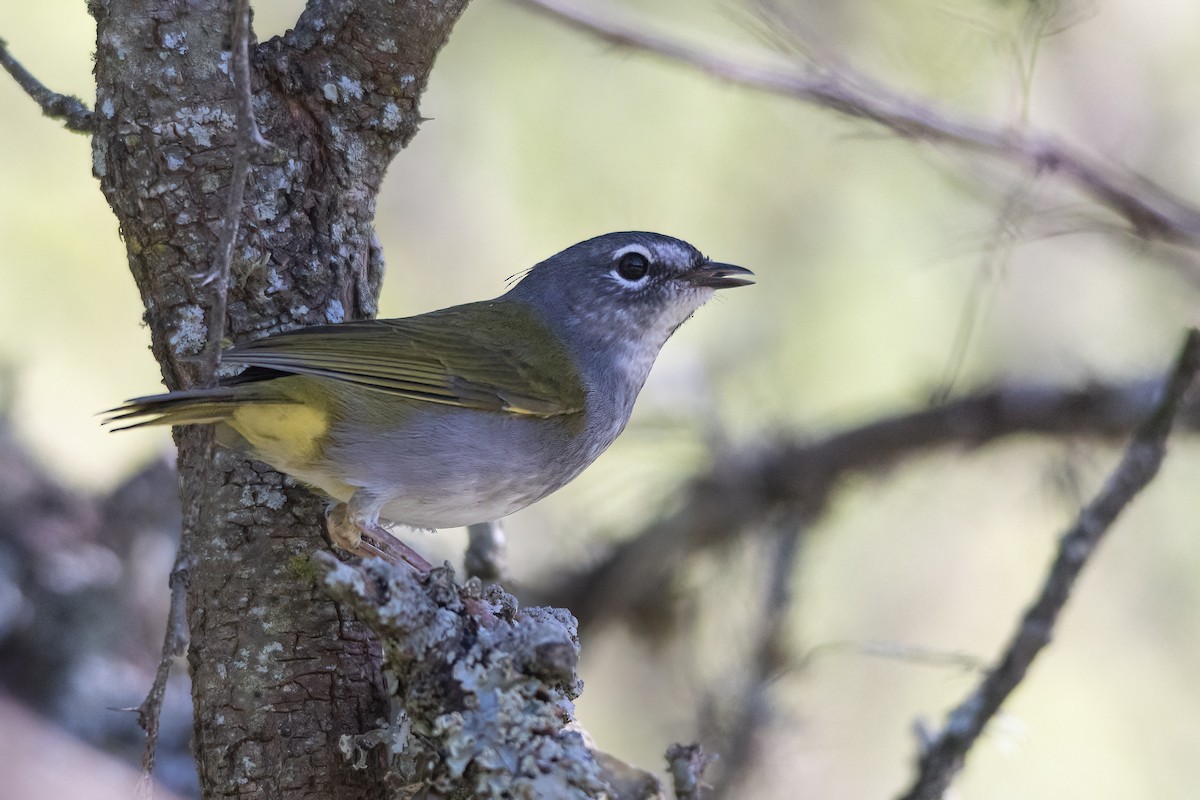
(624, 291)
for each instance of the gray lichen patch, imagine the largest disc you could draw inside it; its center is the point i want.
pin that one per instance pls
(190, 332)
(485, 686)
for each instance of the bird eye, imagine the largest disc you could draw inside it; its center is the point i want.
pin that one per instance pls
(633, 266)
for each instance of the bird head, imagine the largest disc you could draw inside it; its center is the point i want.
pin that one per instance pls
(631, 287)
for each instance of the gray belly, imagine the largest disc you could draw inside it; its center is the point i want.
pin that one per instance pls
(449, 466)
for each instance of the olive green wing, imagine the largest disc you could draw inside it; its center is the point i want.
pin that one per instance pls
(492, 356)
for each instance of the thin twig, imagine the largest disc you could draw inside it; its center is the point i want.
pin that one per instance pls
(687, 763)
(995, 257)
(894, 651)
(636, 580)
(943, 758)
(249, 143)
(1151, 210)
(486, 557)
(769, 658)
(175, 645)
(71, 110)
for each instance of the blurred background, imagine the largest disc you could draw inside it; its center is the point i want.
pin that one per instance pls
(888, 272)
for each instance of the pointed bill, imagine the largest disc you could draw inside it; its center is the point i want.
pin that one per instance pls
(715, 275)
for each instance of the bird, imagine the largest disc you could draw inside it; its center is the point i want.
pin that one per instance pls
(461, 415)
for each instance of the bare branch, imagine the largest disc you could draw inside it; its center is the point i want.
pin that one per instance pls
(687, 764)
(483, 687)
(486, 557)
(996, 254)
(741, 744)
(944, 756)
(175, 645)
(1151, 210)
(634, 582)
(895, 651)
(71, 110)
(305, 253)
(249, 143)
(361, 76)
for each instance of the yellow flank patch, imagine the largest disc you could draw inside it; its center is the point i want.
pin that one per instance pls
(284, 434)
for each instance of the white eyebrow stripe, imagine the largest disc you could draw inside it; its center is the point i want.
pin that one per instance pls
(674, 254)
(632, 248)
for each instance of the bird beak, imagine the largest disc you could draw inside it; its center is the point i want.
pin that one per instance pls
(714, 275)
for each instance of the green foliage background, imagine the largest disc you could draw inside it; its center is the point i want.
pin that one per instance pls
(868, 250)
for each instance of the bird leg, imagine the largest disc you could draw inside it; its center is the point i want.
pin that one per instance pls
(355, 527)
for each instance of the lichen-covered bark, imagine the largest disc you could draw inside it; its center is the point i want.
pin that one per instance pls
(485, 687)
(280, 673)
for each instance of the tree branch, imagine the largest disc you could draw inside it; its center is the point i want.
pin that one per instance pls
(944, 756)
(687, 764)
(343, 57)
(249, 143)
(769, 655)
(485, 688)
(486, 557)
(278, 669)
(635, 580)
(71, 110)
(1151, 210)
(175, 644)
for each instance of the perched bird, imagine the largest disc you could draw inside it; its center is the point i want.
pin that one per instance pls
(461, 415)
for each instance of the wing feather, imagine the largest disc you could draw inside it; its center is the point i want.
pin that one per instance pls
(496, 356)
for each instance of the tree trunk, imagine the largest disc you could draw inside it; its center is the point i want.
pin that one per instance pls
(279, 672)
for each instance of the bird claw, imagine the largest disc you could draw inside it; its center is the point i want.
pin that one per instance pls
(369, 539)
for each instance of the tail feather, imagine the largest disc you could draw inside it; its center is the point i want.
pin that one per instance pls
(188, 407)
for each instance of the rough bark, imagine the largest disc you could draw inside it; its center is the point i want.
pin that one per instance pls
(279, 671)
(485, 688)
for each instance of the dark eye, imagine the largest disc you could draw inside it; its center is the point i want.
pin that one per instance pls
(633, 266)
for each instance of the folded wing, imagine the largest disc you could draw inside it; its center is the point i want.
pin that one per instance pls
(492, 356)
